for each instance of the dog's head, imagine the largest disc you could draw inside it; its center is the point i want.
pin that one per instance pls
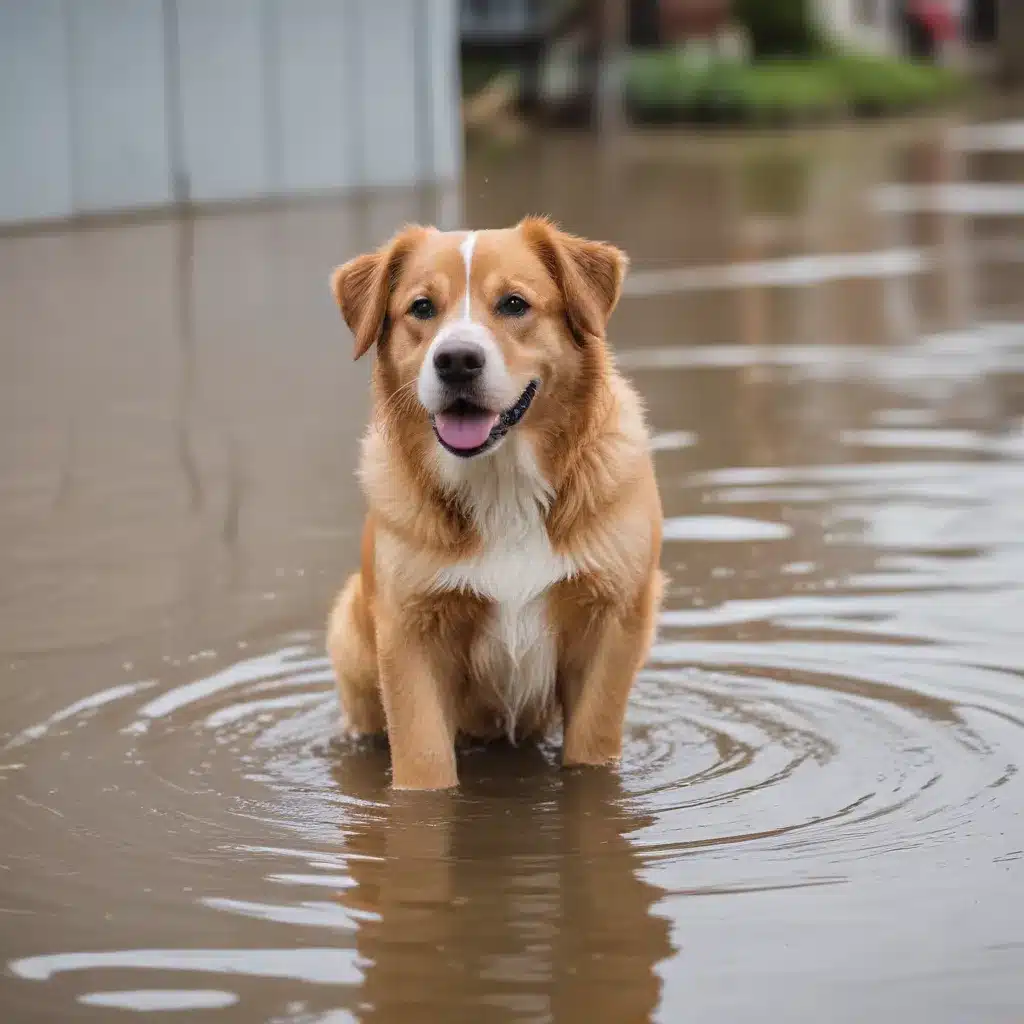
(485, 329)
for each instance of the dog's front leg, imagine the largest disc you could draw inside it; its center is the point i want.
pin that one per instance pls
(419, 709)
(598, 672)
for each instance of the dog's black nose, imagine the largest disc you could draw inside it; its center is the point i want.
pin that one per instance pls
(459, 362)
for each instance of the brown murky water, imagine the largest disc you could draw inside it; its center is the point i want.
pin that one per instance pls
(819, 816)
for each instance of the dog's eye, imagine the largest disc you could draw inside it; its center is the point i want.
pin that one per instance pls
(512, 305)
(423, 309)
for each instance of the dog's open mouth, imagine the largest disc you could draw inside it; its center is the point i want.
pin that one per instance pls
(466, 429)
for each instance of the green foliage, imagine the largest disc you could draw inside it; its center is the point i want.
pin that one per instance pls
(877, 84)
(669, 86)
(780, 28)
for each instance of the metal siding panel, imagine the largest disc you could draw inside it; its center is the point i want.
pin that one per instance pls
(315, 86)
(388, 104)
(383, 214)
(444, 90)
(119, 112)
(222, 62)
(35, 172)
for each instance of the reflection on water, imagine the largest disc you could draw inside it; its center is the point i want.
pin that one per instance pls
(818, 813)
(521, 895)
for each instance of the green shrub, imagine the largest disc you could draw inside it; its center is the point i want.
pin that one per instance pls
(876, 84)
(783, 90)
(668, 85)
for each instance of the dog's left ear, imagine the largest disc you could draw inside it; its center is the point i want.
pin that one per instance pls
(363, 286)
(589, 274)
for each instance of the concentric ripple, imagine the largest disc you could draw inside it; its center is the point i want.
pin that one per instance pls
(819, 710)
(820, 791)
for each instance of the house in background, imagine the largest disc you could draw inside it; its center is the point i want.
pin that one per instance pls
(501, 23)
(553, 43)
(879, 26)
(917, 28)
(871, 25)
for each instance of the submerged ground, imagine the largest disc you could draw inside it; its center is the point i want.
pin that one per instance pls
(819, 816)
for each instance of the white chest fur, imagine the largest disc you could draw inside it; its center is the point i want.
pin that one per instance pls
(516, 652)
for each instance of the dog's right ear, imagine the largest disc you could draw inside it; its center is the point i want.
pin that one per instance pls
(363, 286)
(589, 274)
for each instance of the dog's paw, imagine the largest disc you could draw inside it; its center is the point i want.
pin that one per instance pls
(349, 737)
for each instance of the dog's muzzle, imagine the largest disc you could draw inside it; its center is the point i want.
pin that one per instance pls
(466, 430)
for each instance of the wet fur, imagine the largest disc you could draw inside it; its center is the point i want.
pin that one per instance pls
(501, 593)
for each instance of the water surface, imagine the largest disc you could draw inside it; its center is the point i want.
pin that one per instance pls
(819, 813)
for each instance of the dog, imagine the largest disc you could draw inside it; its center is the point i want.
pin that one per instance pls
(510, 556)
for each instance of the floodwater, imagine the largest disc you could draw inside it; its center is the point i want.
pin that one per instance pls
(820, 813)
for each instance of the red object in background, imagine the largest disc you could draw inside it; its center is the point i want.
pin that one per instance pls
(688, 19)
(936, 17)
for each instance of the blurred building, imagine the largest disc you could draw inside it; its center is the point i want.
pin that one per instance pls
(866, 24)
(501, 24)
(895, 26)
(679, 20)
(518, 28)
(126, 104)
(483, 22)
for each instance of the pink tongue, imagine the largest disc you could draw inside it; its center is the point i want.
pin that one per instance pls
(464, 431)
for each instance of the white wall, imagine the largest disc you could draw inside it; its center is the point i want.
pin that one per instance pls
(841, 19)
(120, 104)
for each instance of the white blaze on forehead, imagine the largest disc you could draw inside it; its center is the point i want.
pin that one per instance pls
(497, 389)
(466, 248)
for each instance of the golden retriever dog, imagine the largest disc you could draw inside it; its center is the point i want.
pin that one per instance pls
(510, 559)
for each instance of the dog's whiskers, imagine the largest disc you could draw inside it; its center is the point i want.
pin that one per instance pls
(395, 403)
